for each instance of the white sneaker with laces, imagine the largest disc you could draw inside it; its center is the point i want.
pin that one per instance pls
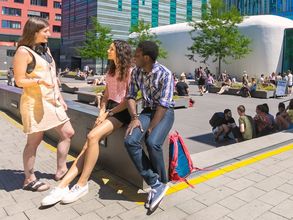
(55, 195)
(75, 193)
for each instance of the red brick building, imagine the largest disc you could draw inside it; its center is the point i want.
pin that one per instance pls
(14, 14)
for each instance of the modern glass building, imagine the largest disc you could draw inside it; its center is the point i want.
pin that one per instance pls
(282, 8)
(119, 15)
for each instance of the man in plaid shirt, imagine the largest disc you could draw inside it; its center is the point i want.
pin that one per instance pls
(153, 124)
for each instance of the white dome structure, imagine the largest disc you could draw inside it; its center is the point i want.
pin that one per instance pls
(265, 31)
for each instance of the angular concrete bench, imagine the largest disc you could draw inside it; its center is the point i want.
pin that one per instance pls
(85, 96)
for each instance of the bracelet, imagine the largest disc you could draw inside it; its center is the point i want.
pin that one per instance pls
(134, 117)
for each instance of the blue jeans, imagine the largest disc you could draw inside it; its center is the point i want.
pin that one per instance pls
(151, 168)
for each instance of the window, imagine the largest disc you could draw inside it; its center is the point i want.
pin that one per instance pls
(38, 14)
(189, 10)
(119, 5)
(10, 53)
(57, 17)
(18, 1)
(10, 24)
(57, 4)
(11, 11)
(173, 12)
(56, 29)
(155, 13)
(39, 2)
(143, 2)
(134, 13)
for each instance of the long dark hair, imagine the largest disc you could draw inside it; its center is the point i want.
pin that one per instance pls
(123, 54)
(31, 27)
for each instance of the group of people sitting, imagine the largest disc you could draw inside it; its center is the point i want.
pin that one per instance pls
(263, 123)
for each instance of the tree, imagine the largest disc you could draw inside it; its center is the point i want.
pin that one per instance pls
(97, 42)
(217, 35)
(142, 32)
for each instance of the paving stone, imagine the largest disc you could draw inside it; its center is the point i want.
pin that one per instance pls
(236, 174)
(250, 211)
(177, 198)
(269, 161)
(284, 209)
(215, 211)
(270, 216)
(60, 206)
(36, 213)
(249, 194)
(240, 184)
(19, 207)
(87, 206)
(61, 215)
(202, 188)
(110, 211)
(136, 213)
(274, 197)
(285, 175)
(284, 155)
(128, 204)
(271, 170)
(232, 203)
(170, 214)
(191, 206)
(270, 183)
(89, 216)
(215, 195)
(287, 188)
(219, 181)
(7, 201)
(18, 216)
(256, 177)
(2, 213)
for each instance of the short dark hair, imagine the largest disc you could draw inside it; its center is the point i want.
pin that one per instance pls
(241, 108)
(226, 111)
(281, 105)
(266, 108)
(149, 48)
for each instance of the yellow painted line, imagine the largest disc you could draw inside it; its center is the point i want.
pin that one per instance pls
(226, 169)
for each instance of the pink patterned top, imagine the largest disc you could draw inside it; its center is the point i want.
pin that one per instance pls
(117, 89)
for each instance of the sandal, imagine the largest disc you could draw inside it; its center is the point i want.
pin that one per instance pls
(36, 186)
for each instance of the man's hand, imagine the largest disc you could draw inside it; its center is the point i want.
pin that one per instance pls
(133, 124)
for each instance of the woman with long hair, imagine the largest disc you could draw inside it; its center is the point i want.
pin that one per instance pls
(113, 114)
(42, 106)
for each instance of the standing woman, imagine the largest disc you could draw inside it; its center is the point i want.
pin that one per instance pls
(113, 114)
(42, 106)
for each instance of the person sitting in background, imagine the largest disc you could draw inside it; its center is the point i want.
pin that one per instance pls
(253, 85)
(262, 121)
(99, 82)
(182, 87)
(244, 91)
(225, 86)
(246, 126)
(261, 79)
(283, 120)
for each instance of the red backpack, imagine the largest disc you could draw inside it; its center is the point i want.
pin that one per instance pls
(180, 163)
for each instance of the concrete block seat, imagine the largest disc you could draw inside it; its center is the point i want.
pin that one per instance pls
(86, 96)
(72, 87)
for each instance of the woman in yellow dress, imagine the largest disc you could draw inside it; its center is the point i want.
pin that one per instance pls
(42, 106)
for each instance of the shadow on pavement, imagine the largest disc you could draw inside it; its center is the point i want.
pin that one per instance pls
(210, 140)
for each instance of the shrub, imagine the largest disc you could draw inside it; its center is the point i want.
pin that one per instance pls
(99, 89)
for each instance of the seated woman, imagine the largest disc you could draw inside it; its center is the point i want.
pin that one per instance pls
(99, 82)
(284, 119)
(225, 86)
(113, 114)
(262, 121)
(245, 89)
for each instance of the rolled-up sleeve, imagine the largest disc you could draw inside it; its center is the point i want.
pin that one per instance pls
(166, 99)
(133, 87)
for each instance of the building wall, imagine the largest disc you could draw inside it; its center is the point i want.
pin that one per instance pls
(119, 15)
(282, 8)
(19, 13)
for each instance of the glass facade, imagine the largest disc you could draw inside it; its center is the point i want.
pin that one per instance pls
(173, 12)
(155, 13)
(188, 10)
(134, 12)
(288, 50)
(282, 8)
(119, 5)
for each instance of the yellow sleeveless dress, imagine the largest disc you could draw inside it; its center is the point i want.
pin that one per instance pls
(40, 108)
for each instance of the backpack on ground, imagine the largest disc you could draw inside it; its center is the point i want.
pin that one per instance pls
(180, 163)
(217, 119)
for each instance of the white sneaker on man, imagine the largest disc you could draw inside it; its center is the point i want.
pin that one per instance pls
(55, 195)
(75, 193)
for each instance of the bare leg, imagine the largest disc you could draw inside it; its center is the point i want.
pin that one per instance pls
(92, 152)
(29, 155)
(66, 132)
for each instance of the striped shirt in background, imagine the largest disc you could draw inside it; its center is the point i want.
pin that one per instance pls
(156, 87)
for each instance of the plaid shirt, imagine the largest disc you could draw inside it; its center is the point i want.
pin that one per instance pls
(156, 87)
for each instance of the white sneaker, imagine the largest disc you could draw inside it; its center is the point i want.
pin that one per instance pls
(75, 193)
(55, 196)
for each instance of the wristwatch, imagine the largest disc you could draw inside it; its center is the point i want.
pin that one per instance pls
(110, 113)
